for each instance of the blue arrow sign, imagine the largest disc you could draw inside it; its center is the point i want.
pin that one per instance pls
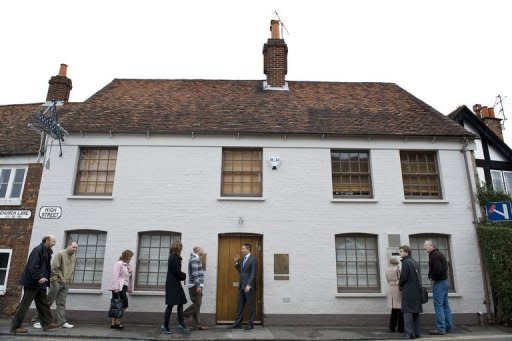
(498, 211)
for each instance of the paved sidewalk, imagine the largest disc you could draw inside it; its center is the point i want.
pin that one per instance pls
(152, 332)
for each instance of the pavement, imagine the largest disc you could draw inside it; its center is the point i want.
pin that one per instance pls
(152, 332)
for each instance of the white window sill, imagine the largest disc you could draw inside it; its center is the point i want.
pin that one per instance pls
(148, 293)
(362, 200)
(241, 199)
(10, 202)
(450, 294)
(90, 197)
(425, 201)
(360, 294)
(86, 291)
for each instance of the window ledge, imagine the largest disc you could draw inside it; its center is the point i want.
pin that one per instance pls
(450, 294)
(362, 200)
(86, 291)
(360, 294)
(148, 293)
(10, 202)
(425, 201)
(240, 199)
(90, 197)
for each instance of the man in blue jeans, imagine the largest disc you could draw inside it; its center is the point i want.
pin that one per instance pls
(438, 274)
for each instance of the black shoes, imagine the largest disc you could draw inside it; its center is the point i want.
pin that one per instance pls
(235, 326)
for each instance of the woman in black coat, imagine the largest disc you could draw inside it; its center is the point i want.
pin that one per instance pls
(410, 288)
(174, 294)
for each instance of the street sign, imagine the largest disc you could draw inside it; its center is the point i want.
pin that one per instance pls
(498, 211)
(50, 212)
(15, 214)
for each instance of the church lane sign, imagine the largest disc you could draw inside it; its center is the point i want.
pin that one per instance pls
(15, 214)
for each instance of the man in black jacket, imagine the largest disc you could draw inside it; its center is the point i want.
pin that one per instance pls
(410, 288)
(35, 279)
(247, 286)
(438, 274)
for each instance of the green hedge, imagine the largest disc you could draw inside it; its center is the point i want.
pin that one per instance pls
(496, 244)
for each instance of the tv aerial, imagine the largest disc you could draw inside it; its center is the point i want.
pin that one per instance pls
(283, 27)
(501, 111)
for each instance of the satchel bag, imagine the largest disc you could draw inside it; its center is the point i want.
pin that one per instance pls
(424, 295)
(116, 308)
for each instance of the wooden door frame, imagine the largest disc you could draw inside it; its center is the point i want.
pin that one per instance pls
(243, 234)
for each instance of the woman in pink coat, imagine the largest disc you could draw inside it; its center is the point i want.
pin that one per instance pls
(122, 282)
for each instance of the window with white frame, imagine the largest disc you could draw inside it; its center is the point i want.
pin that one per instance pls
(12, 181)
(442, 243)
(89, 257)
(357, 263)
(152, 259)
(501, 181)
(5, 262)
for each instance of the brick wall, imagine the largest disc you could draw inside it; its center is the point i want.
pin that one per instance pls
(15, 234)
(275, 64)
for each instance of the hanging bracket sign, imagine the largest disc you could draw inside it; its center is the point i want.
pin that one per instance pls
(15, 214)
(50, 212)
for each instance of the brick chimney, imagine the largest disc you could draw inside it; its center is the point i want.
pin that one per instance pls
(60, 86)
(486, 114)
(275, 59)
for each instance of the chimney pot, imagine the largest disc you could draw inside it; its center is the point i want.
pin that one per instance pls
(63, 70)
(274, 28)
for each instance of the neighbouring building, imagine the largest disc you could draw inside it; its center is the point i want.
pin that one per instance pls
(324, 179)
(493, 156)
(20, 177)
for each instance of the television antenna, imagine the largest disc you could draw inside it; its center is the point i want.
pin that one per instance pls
(46, 123)
(499, 102)
(282, 25)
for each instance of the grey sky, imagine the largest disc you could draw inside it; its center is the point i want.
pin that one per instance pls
(447, 53)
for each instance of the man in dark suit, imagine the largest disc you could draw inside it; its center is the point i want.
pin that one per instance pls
(246, 265)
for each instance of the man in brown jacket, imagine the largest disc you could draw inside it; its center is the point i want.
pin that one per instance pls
(63, 267)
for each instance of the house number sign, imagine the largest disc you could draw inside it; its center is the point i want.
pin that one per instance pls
(15, 214)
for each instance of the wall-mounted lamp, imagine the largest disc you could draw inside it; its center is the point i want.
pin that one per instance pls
(274, 162)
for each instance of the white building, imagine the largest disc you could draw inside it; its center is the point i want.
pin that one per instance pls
(363, 168)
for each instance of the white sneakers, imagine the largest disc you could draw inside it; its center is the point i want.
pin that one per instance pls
(37, 325)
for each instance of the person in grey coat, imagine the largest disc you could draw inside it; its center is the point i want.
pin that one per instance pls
(410, 287)
(174, 294)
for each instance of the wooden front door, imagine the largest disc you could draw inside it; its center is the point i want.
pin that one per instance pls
(228, 277)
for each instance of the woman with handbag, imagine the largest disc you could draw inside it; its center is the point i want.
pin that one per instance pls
(174, 294)
(122, 282)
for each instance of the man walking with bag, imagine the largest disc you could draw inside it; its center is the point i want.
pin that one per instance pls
(63, 267)
(438, 274)
(410, 287)
(195, 285)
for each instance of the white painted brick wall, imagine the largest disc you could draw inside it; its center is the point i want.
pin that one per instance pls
(173, 184)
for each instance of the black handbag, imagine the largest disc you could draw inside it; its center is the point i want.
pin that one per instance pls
(116, 308)
(424, 295)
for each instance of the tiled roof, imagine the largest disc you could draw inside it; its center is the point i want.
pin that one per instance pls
(129, 106)
(232, 106)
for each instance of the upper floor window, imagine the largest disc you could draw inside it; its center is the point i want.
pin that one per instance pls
(5, 262)
(89, 257)
(152, 259)
(12, 181)
(351, 174)
(357, 263)
(96, 171)
(241, 172)
(501, 181)
(442, 243)
(420, 174)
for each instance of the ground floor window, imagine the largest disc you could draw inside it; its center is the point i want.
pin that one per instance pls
(89, 257)
(152, 259)
(357, 263)
(441, 242)
(5, 262)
